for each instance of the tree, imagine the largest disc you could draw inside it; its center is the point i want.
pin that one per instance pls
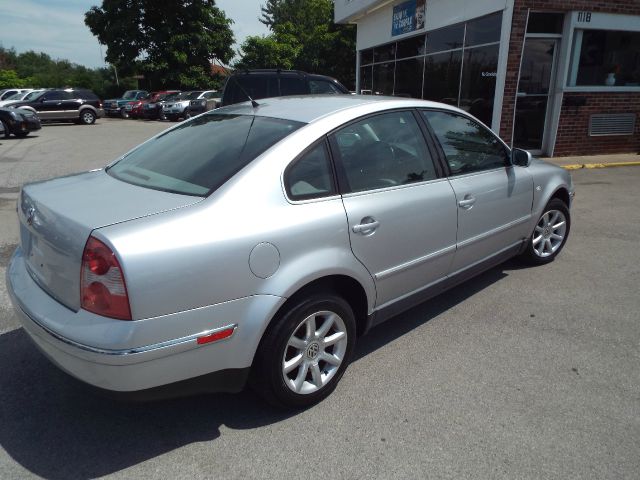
(10, 79)
(319, 45)
(171, 41)
(278, 50)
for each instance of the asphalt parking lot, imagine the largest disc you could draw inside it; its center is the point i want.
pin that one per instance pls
(520, 373)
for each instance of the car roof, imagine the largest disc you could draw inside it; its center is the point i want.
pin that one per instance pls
(308, 108)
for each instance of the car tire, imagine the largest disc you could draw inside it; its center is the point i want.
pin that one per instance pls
(21, 134)
(6, 133)
(187, 114)
(294, 367)
(87, 117)
(123, 113)
(550, 233)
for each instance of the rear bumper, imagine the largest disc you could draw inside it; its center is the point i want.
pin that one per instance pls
(69, 340)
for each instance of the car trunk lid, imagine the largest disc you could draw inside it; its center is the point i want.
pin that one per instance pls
(57, 217)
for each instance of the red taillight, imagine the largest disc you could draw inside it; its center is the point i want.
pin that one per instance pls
(102, 287)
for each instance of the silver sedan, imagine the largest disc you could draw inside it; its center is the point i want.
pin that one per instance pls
(257, 242)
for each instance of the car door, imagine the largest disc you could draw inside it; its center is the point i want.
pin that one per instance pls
(401, 212)
(72, 104)
(51, 105)
(494, 198)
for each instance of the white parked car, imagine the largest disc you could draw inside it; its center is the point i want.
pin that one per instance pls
(18, 94)
(21, 96)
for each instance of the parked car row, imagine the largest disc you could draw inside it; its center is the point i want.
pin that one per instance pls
(161, 105)
(240, 87)
(21, 112)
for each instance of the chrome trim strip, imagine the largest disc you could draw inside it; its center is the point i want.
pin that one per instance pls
(496, 230)
(184, 341)
(412, 263)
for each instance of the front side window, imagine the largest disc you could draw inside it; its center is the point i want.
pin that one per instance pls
(467, 145)
(606, 58)
(198, 156)
(58, 95)
(383, 151)
(310, 175)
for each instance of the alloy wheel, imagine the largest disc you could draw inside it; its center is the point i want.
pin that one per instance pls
(88, 118)
(314, 352)
(549, 233)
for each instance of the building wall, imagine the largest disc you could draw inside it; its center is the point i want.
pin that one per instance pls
(572, 136)
(573, 130)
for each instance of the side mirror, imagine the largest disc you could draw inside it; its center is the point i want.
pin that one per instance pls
(521, 158)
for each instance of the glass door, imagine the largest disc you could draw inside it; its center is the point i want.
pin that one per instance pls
(536, 74)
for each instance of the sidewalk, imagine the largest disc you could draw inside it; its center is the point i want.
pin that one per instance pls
(596, 161)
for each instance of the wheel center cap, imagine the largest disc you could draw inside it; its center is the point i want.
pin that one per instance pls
(312, 350)
(547, 232)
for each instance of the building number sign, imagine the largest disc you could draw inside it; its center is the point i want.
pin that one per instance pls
(584, 17)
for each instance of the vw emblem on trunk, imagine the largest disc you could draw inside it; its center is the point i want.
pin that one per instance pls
(31, 214)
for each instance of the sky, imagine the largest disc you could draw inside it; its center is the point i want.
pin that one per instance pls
(56, 27)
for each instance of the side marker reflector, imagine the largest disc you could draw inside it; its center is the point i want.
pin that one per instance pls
(214, 337)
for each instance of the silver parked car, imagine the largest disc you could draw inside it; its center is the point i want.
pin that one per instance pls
(259, 242)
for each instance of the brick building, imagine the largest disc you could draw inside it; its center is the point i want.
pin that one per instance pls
(557, 77)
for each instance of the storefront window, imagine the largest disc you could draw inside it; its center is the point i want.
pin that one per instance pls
(440, 66)
(479, 81)
(409, 78)
(483, 30)
(366, 79)
(606, 58)
(411, 47)
(448, 38)
(442, 77)
(384, 52)
(366, 56)
(383, 78)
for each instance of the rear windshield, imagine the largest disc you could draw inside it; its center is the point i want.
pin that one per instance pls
(198, 156)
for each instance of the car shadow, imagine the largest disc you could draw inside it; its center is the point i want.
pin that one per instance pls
(58, 428)
(13, 138)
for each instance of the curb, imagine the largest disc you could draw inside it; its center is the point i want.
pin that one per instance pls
(579, 166)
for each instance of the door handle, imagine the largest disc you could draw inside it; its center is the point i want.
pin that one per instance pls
(467, 202)
(367, 227)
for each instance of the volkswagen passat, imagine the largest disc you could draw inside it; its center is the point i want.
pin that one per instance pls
(258, 242)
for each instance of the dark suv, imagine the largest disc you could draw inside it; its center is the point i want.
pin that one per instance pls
(277, 83)
(82, 106)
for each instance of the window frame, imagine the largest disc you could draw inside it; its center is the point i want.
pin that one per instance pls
(335, 193)
(341, 175)
(440, 149)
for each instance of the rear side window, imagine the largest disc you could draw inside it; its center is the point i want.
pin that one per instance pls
(257, 86)
(198, 156)
(468, 146)
(320, 87)
(310, 176)
(85, 95)
(293, 86)
(383, 151)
